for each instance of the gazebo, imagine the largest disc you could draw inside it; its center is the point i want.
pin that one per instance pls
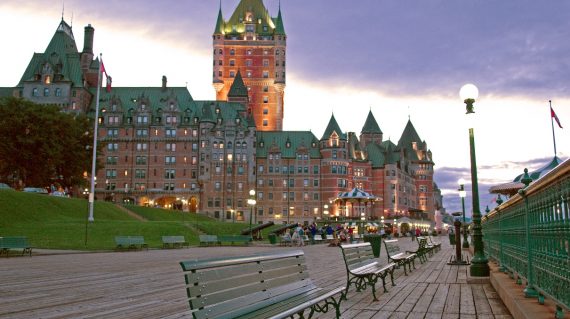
(356, 195)
(511, 188)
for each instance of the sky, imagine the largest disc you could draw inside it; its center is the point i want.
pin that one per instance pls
(399, 59)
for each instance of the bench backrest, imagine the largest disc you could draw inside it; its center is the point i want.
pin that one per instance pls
(129, 240)
(422, 243)
(357, 255)
(330, 237)
(208, 238)
(173, 239)
(229, 238)
(392, 247)
(14, 242)
(230, 287)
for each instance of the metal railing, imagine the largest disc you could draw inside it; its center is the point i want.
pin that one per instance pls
(529, 237)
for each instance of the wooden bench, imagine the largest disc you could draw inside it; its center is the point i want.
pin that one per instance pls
(397, 256)
(435, 243)
(130, 242)
(15, 242)
(232, 239)
(424, 248)
(206, 240)
(356, 237)
(174, 242)
(363, 269)
(318, 239)
(268, 285)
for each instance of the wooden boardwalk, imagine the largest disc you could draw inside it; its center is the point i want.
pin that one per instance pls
(149, 284)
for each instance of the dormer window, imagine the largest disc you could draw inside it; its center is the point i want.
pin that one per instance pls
(237, 120)
(288, 144)
(249, 28)
(171, 106)
(314, 145)
(217, 110)
(143, 107)
(261, 144)
(219, 121)
(47, 79)
(195, 120)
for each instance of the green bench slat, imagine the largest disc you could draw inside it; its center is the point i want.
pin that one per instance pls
(130, 242)
(174, 241)
(363, 269)
(15, 242)
(259, 286)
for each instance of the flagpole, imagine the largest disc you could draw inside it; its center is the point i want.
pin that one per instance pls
(552, 124)
(94, 160)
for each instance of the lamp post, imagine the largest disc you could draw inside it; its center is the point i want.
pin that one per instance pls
(251, 202)
(479, 263)
(462, 194)
(326, 212)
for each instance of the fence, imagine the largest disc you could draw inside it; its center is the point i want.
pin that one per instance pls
(529, 236)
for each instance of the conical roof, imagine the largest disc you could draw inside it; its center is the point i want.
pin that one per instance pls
(409, 136)
(371, 126)
(333, 127)
(279, 28)
(238, 88)
(219, 23)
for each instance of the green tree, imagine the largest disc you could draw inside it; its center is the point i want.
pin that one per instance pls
(40, 145)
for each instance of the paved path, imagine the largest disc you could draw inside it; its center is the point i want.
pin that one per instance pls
(149, 284)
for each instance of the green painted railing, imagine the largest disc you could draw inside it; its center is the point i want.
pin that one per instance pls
(529, 237)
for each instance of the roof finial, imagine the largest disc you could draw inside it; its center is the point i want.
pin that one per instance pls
(279, 5)
(62, 9)
(220, 5)
(409, 113)
(71, 25)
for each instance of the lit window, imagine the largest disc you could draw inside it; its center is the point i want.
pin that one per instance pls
(265, 74)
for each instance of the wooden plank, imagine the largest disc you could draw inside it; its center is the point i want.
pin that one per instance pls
(467, 305)
(426, 298)
(438, 301)
(480, 299)
(453, 302)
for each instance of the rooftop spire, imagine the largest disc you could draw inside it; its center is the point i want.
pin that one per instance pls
(238, 88)
(220, 22)
(279, 28)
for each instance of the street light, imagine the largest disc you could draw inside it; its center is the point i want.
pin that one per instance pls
(462, 194)
(479, 263)
(326, 212)
(251, 202)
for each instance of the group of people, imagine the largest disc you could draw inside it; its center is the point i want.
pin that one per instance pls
(341, 233)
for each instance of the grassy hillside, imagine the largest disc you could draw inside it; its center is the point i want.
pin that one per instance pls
(60, 223)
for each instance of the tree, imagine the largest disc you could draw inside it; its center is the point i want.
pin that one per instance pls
(40, 145)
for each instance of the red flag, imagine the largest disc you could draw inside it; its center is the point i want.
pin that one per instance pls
(553, 115)
(109, 79)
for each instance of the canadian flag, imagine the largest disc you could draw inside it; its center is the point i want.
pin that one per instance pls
(553, 115)
(109, 79)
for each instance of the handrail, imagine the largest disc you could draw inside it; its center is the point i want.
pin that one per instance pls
(529, 236)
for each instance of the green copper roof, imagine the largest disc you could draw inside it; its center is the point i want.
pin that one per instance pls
(541, 171)
(154, 98)
(279, 28)
(61, 55)
(219, 23)
(409, 136)
(238, 88)
(371, 126)
(333, 127)
(276, 141)
(392, 155)
(260, 17)
(376, 154)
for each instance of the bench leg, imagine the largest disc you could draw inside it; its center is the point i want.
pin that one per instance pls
(332, 301)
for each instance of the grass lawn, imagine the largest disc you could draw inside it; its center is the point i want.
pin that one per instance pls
(60, 223)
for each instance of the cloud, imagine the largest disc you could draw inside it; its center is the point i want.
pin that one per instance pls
(508, 47)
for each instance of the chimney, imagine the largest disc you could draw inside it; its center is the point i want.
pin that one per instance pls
(164, 83)
(88, 39)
